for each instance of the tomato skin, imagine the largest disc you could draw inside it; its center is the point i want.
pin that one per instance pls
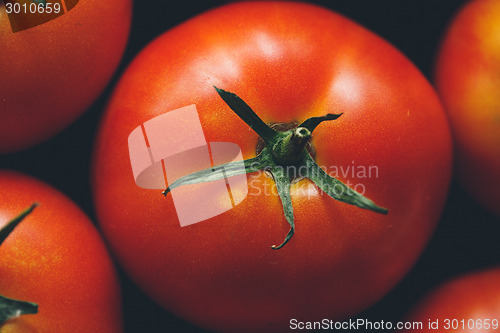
(56, 259)
(50, 74)
(288, 61)
(467, 80)
(472, 296)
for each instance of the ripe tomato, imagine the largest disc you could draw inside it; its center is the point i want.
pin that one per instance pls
(52, 72)
(467, 76)
(288, 62)
(55, 258)
(470, 303)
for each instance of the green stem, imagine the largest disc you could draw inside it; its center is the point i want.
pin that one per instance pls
(288, 149)
(11, 308)
(283, 155)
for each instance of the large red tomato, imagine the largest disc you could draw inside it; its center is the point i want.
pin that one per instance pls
(468, 304)
(56, 259)
(51, 73)
(467, 79)
(288, 62)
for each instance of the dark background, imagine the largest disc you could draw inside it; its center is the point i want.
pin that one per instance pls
(465, 240)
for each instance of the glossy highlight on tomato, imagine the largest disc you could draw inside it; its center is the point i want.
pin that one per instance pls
(288, 62)
(56, 259)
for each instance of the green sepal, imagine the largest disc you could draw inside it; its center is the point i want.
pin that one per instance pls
(11, 308)
(246, 113)
(336, 189)
(7, 230)
(283, 155)
(313, 122)
(222, 171)
(283, 180)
